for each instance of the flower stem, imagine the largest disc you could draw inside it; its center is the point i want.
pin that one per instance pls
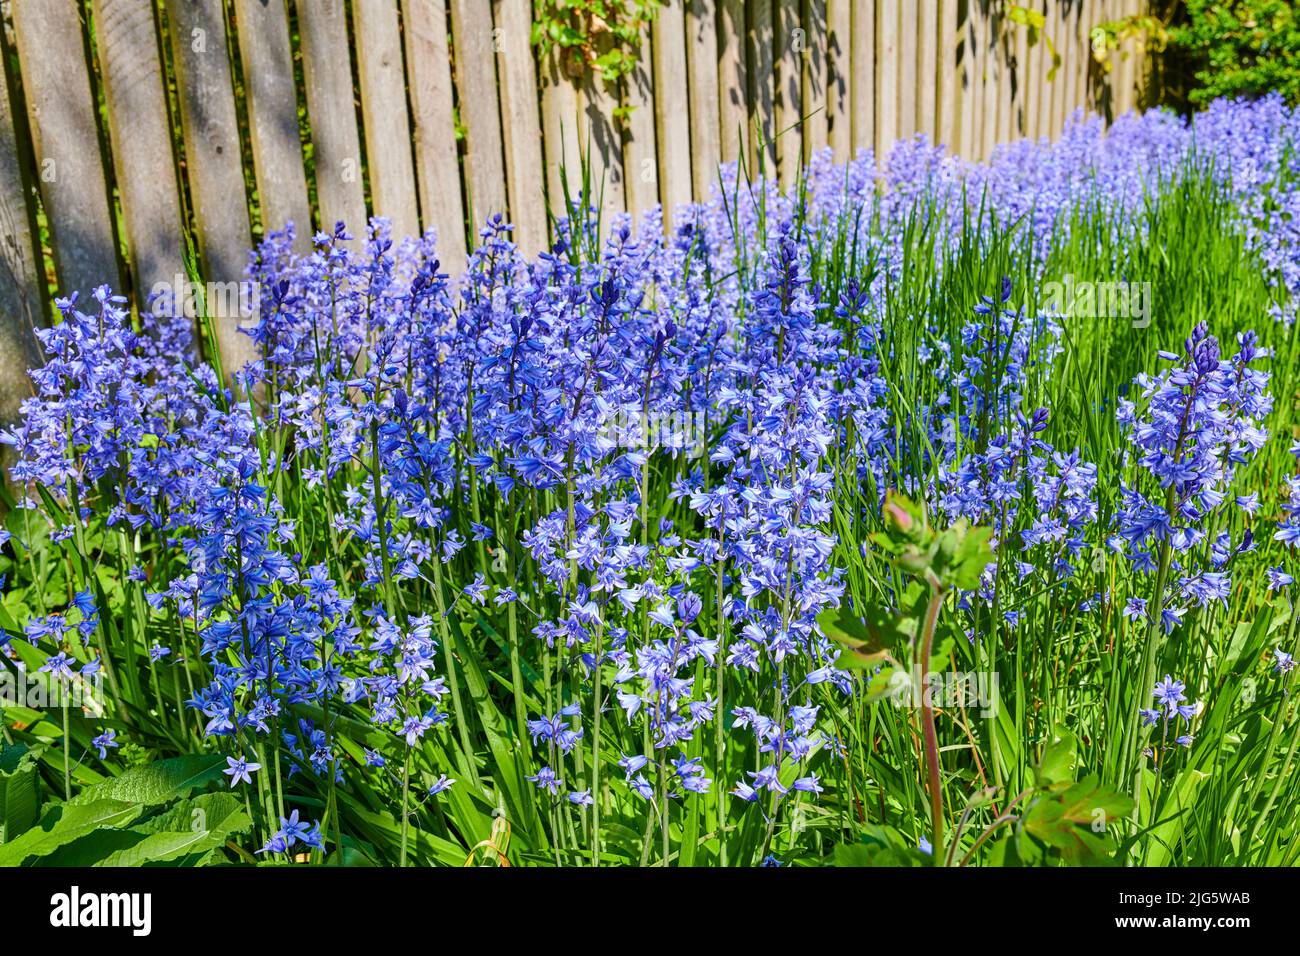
(928, 729)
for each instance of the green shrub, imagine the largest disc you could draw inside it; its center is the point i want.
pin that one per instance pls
(1242, 48)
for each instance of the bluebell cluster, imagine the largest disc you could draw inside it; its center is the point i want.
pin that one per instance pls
(412, 458)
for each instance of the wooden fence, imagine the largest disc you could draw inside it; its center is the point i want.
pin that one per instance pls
(131, 127)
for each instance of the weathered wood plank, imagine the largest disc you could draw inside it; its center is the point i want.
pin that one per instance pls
(947, 126)
(212, 158)
(262, 29)
(520, 124)
(862, 75)
(437, 163)
(791, 43)
(1004, 49)
(140, 132)
(640, 159)
(21, 299)
(1100, 94)
(1132, 68)
(886, 77)
(990, 51)
(927, 70)
(672, 109)
(1115, 78)
(702, 70)
(1034, 78)
(907, 26)
(839, 115)
(385, 120)
(760, 52)
(604, 143)
(561, 142)
(336, 145)
(476, 82)
(1075, 65)
(816, 104)
(70, 169)
(1057, 74)
(969, 80)
(733, 81)
(1019, 75)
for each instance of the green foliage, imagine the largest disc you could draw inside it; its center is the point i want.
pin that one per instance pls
(938, 561)
(1026, 784)
(602, 37)
(1241, 48)
(20, 798)
(953, 558)
(1034, 21)
(145, 816)
(879, 846)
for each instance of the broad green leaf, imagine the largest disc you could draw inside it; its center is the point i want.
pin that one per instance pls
(1076, 820)
(20, 794)
(1175, 809)
(1057, 765)
(63, 824)
(879, 846)
(970, 557)
(865, 645)
(158, 783)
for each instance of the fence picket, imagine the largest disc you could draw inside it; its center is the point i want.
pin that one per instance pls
(790, 119)
(561, 144)
(640, 160)
(473, 43)
(385, 120)
(760, 50)
(839, 78)
(521, 127)
(733, 81)
(601, 136)
(990, 115)
(262, 27)
(886, 76)
(332, 115)
(672, 110)
(928, 84)
(862, 75)
(948, 64)
(816, 104)
(437, 165)
(906, 25)
(213, 164)
(140, 134)
(21, 284)
(702, 88)
(61, 116)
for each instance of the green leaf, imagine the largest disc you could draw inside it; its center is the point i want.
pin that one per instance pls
(63, 824)
(157, 783)
(1025, 16)
(879, 846)
(20, 791)
(1057, 765)
(971, 554)
(1075, 820)
(181, 835)
(866, 646)
(159, 848)
(1176, 809)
